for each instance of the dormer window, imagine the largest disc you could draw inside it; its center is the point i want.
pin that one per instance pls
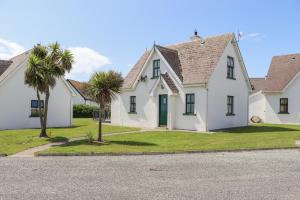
(156, 68)
(230, 67)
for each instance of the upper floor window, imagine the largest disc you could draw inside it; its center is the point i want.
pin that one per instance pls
(132, 104)
(284, 105)
(230, 105)
(190, 104)
(156, 68)
(35, 107)
(230, 67)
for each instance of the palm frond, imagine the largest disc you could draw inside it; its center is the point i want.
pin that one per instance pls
(104, 86)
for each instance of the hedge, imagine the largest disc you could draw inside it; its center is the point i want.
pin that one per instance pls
(84, 111)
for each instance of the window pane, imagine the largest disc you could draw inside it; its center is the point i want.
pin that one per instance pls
(156, 66)
(283, 105)
(42, 103)
(34, 103)
(281, 108)
(188, 98)
(132, 103)
(188, 108)
(192, 108)
(230, 67)
(230, 105)
(192, 98)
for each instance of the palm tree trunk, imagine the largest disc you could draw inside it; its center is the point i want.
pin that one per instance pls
(45, 116)
(42, 134)
(100, 124)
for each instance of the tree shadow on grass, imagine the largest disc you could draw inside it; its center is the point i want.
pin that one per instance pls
(105, 143)
(74, 126)
(257, 129)
(57, 139)
(132, 143)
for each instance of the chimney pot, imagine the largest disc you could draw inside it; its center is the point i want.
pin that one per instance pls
(195, 36)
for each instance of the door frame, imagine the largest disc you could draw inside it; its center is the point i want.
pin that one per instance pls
(159, 109)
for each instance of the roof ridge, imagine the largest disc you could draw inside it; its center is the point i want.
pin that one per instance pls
(25, 52)
(283, 55)
(167, 48)
(190, 41)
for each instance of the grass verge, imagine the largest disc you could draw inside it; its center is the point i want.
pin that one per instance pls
(264, 136)
(13, 141)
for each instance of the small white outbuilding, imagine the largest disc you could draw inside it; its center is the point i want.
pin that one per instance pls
(18, 102)
(81, 91)
(275, 98)
(201, 84)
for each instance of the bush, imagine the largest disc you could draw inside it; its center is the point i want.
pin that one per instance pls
(84, 111)
(90, 137)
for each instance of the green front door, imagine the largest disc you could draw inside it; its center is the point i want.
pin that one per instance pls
(163, 110)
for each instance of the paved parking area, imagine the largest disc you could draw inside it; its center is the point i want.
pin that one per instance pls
(243, 175)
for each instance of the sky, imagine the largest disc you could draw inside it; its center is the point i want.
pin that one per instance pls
(112, 34)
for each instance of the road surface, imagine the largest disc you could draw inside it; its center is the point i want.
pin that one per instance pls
(241, 175)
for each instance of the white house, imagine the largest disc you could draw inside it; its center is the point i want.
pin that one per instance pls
(275, 98)
(80, 90)
(18, 102)
(201, 84)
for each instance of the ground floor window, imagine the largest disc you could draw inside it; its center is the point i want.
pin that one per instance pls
(35, 107)
(230, 105)
(190, 104)
(132, 104)
(284, 105)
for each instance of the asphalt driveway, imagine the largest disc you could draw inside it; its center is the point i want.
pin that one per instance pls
(244, 175)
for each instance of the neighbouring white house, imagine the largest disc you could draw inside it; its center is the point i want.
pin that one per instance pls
(19, 104)
(275, 98)
(82, 97)
(201, 84)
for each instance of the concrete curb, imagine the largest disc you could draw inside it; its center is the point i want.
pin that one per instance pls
(158, 153)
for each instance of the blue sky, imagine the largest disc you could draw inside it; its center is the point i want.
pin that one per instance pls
(112, 34)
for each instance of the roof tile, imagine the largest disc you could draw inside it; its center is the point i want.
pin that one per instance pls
(192, 61)
(82, 88)
(170, 82)
(281, 71)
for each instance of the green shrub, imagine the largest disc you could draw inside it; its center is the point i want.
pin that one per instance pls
(90, 137)
(84, 111)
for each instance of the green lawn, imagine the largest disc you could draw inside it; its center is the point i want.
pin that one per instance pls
(252, 137)
(13, 141)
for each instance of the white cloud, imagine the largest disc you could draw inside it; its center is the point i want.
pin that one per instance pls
(9, 49)
(254, 36)
(87, 61)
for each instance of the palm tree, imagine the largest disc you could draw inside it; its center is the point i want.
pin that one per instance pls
(103, 87)
(45, 65)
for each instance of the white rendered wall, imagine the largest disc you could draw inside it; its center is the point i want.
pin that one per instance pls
(147, 106)
(15, 104)
(218, 89)
(257, 105)
(78, 99)
(272, 105)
